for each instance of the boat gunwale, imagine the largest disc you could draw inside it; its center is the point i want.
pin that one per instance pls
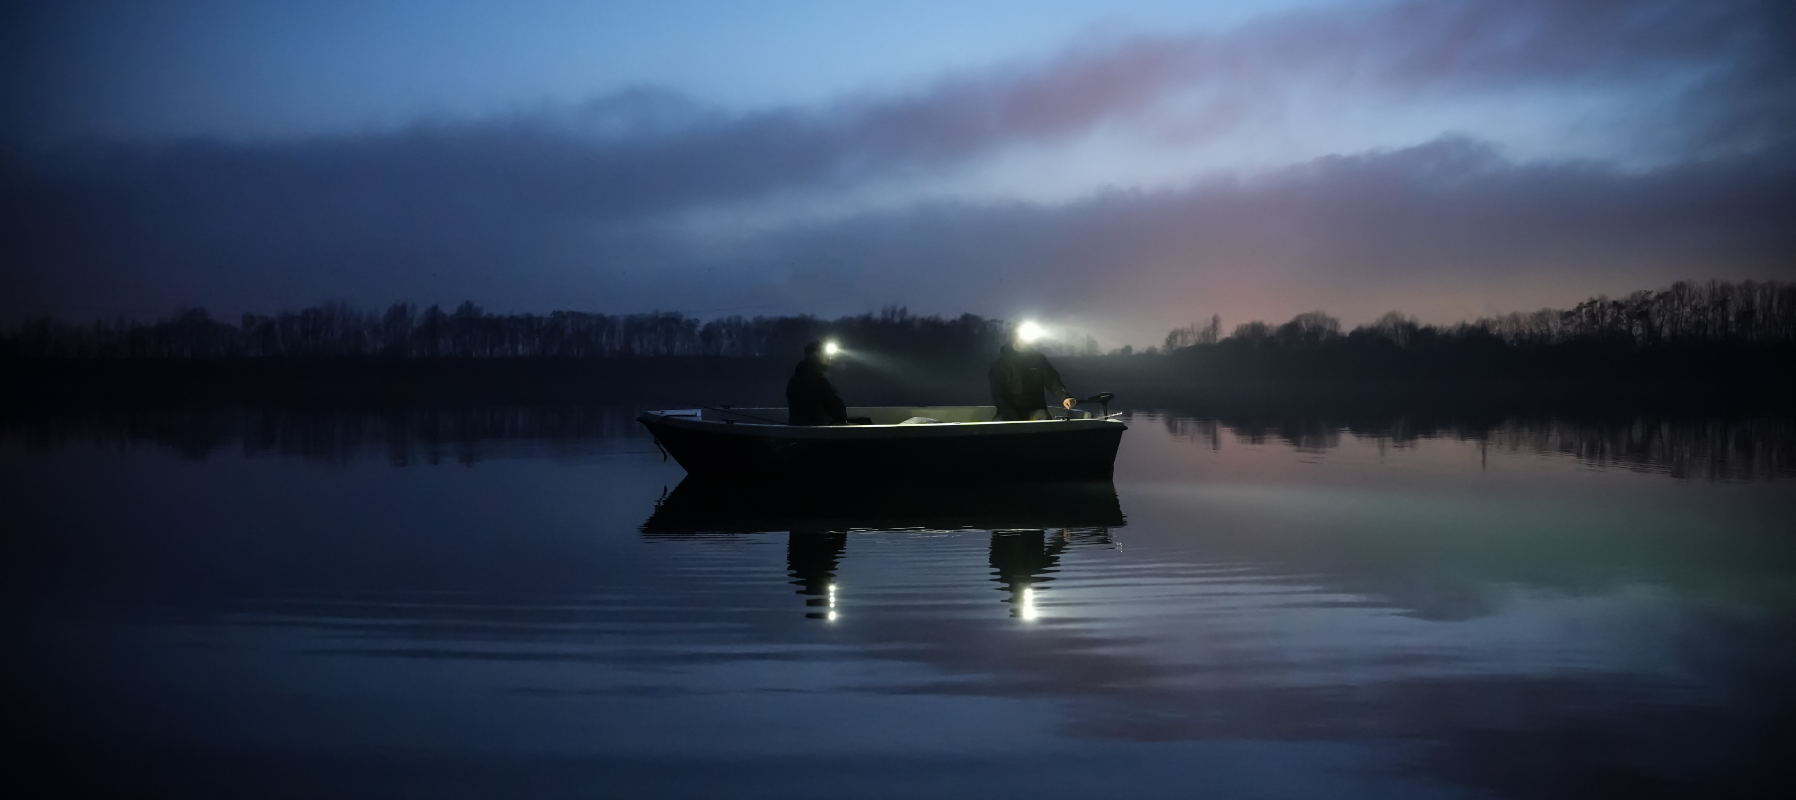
(885, 431)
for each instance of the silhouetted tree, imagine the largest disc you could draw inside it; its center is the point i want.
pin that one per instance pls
(1395, 326)
(1254, 333)
(396, 329)
(1193, 334)
(1309, 328)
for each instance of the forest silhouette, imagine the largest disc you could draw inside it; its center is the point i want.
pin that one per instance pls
(1749, 312)
(1716, 338)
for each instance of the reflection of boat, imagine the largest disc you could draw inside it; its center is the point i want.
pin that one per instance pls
(707, 506)
(959, 441)
(1025, 548)
(1022, 561)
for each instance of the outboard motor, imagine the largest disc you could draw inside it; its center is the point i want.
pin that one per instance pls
(1103, 400)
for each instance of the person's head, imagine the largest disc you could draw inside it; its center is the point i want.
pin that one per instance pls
(816, 353)
(1024, 335)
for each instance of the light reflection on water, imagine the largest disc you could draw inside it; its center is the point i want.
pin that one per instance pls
(1300, 609)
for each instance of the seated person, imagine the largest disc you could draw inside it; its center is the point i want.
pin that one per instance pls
(810, 398)
(1019, 377)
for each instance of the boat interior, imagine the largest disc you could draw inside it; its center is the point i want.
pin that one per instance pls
(880, 415)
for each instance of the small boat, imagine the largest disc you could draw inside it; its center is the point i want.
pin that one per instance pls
(910, 443)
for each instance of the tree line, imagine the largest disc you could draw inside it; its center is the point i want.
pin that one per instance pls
(405, 331)
(1686, 312)
(1750, 312)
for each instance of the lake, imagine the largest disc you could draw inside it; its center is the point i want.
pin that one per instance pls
(526, 603)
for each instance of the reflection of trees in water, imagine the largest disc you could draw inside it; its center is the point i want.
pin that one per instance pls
(1713, 450)
(402, 436)
(1682, 447)
(1203, 431)
(1308, 435)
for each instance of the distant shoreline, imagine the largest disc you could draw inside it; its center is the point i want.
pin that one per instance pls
(1760, 379)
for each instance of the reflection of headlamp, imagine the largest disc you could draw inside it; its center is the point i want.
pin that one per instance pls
(831, 348)
(1029, 332)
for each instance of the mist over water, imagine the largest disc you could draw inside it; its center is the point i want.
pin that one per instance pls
(526, 601)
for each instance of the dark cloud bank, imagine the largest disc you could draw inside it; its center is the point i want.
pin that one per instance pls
(580, 210)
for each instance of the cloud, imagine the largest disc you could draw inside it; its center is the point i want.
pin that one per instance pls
(1357, 235)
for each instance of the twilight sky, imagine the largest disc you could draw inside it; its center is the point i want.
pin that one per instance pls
(1117, 167)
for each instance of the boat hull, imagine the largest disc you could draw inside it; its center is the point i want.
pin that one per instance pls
(1053, 450)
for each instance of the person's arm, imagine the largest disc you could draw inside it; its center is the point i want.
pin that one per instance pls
(838, 410)
(1051, 379)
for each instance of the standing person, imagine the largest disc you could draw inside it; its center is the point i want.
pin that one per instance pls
(810, 398)
(1019, 377)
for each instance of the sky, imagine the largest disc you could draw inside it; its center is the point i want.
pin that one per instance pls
(1117, 168)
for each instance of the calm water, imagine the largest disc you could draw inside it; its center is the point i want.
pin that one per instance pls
(495, 605)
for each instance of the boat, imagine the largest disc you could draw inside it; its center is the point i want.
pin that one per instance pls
(907, 443)
(700, 506)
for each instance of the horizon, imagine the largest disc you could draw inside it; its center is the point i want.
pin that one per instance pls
(1748, 303)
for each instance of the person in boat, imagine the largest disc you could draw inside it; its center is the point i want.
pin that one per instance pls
(810, 398)
(1019, 378)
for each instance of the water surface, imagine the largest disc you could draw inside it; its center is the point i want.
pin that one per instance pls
(527, 603)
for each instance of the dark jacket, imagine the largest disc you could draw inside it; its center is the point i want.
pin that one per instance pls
(1018, 380)
(811, 400)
